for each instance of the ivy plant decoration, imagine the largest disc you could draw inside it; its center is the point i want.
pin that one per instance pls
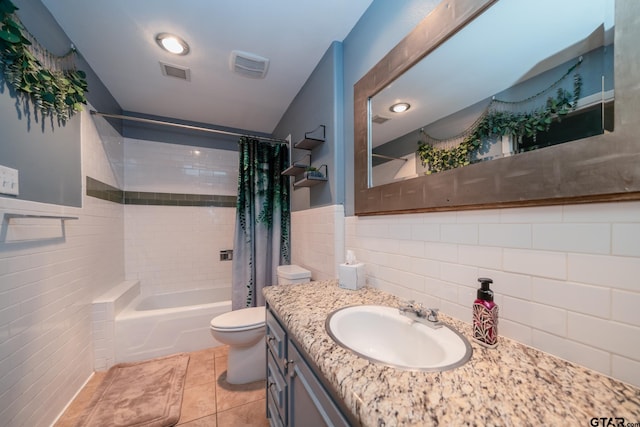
(442, 159)
(55, 91)
(496, 123)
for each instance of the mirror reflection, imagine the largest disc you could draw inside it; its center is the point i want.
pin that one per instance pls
(507, 83)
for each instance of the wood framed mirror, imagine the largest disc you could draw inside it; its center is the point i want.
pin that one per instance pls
(604, 167)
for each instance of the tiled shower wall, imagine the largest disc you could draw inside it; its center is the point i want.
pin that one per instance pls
(566, 278)
(170, 248)
(47, 284)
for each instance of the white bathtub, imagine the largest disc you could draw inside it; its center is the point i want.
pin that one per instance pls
(163, 324)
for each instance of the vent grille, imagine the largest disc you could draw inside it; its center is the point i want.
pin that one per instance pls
(379, 119)
(175, 71)
(248, 64)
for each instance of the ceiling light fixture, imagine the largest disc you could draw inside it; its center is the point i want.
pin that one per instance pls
(172, 43)
(400, 107)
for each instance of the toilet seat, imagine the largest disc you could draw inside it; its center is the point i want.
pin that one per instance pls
(244, 319)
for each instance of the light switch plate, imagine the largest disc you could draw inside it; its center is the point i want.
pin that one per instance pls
(9, 181)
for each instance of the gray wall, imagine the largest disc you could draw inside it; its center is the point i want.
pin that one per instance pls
(327, 97)
(46, 154)
(182, 136)
(381, 27)
(319, 102)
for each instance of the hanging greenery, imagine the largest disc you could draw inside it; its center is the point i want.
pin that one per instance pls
(442, 159)
(56, 90)
(494, 123)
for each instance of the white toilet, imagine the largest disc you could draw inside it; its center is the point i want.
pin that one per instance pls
(244, 331)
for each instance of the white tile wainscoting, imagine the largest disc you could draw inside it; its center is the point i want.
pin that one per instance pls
(317, 240)
(47, 286)
(566, 277)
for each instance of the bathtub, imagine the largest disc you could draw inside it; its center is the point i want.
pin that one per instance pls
(163, 324)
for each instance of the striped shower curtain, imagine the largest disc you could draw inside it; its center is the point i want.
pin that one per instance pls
(263, 218)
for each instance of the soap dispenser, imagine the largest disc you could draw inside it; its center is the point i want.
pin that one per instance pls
(485, 316)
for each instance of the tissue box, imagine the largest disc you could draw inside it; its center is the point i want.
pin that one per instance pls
(351, 276)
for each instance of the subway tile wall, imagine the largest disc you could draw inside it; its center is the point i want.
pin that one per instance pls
(317, 240)
(566, 277)
(47, 284)
(171, 248)
(172, 168)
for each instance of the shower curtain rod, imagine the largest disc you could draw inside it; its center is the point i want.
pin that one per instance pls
(180, 125)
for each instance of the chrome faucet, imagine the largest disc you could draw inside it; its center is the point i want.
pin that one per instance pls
(417, 312)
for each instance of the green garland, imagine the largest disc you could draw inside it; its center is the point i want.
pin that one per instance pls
(499, 123)
(59, 93)
(442, 159)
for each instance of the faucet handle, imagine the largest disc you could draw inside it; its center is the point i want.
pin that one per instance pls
(409, 305)
(418, 309)
(432, 314)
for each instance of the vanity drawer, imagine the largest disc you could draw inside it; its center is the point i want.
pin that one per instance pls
(277, 340)
(272, 415)
(277, 392)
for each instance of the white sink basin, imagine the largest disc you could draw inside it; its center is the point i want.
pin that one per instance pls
(381, 334)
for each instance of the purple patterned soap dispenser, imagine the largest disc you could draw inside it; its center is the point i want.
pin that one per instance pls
(485, 316)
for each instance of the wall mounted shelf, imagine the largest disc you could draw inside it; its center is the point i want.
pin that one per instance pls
(308, 143)
(309, 181)
(298, 166)
(9, 216)
(294, 170)
(312, 139)
(310, 177)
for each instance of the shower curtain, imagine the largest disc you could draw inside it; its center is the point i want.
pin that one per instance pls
(263, 219)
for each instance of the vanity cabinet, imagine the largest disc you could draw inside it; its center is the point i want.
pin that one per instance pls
(295, 395)
(276, 372)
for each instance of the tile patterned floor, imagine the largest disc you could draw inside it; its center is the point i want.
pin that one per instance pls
(208, 400)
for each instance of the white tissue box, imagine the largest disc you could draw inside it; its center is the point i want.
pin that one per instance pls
(351, 276)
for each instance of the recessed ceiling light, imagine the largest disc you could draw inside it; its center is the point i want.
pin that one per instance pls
(172, 43)
(400, 107)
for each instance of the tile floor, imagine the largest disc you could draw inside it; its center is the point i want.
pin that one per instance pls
(208, 400)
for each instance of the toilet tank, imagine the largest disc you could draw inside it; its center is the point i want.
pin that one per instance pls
(293, 274)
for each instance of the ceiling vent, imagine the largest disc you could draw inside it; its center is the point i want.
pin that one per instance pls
(175, 71)
(248, 64)
(379, 119)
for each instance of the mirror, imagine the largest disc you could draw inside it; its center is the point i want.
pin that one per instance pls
(587, 165)
(506, 54)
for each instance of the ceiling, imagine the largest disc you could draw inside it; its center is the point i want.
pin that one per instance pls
(117, 39)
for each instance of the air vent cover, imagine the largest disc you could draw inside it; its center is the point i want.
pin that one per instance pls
(175, 71)
(248, 64)
(379, 119)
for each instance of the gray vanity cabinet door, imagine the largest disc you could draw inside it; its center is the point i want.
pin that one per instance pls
(309, 403)
(277, 395)
(277, 340)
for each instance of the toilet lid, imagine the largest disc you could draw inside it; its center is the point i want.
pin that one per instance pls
(245, 318)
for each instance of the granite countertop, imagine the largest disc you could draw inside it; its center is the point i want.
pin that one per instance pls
(512, 385)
